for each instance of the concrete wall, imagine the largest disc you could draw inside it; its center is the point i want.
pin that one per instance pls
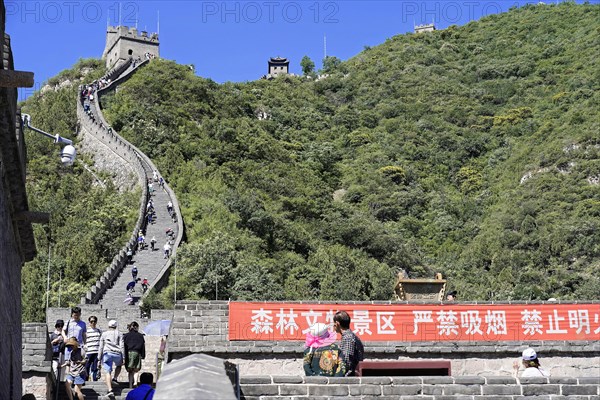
(202, 327)
(418, 388)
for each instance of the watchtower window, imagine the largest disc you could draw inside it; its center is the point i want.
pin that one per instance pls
(130, 52)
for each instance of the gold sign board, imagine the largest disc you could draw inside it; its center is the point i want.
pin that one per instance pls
(420, 289)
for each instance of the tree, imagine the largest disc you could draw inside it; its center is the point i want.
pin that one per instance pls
(330, 64)
(308, 66)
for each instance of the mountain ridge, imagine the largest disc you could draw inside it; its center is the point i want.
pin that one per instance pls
(425, 139)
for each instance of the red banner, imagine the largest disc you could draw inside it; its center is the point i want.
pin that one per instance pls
(420, 323)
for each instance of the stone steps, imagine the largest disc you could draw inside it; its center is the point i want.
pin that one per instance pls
(98, 390)
(149, 263)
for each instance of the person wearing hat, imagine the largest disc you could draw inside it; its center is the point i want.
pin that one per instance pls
(322, 356)
(57, 340)
(531, 364)
(76, 364)
(111, 352)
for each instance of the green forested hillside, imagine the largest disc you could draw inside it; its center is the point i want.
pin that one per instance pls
(473, 151)
(88, 223)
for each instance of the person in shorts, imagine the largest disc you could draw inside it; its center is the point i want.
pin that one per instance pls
(135, 351)
(111, 352)
(77, 373)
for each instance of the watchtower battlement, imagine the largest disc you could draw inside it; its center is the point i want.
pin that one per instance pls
(425, 28)
(123, 42)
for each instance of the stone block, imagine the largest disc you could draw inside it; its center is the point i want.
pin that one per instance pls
(358, 390)
(293, 390)
(436, 390)
(265, 343)
(592, 380)
(500, 389)
(403, 390)
(489, 397)
(406, 380)
(469, 380)
(504, 380)
(533, 380)
(375, 398)
(376, 380)
(320, 380)
(540, 397)
(462, 390)
(260, 390)
(438, 380)
(535, 390)
(563, 380)
(344, 380)
(328, 390)
(254, 380)
(287, 379)
(569, 390)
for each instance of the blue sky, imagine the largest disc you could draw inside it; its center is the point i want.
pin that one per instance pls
(225, 40)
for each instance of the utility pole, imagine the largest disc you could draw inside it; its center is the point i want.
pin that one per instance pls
(48, 282)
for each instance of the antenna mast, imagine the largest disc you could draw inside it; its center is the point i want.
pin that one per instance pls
(324, 46)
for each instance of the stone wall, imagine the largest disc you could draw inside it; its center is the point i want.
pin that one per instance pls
(37, 361)
(202, 327)
(123, 42)
(112, 150)
(125, 157)
(16, 235)
(195, 377)
(162, 278)
(418, 388)
(122, 174)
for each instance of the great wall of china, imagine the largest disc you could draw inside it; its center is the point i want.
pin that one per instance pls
(256, 369)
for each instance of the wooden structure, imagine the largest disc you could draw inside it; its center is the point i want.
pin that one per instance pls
(420, 289)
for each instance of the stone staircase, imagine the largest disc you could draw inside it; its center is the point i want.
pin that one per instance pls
(148, 262)
(97, 390)
(151, 264)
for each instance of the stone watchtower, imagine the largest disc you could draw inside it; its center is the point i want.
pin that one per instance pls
(278, 66)
(123, 42)
(425, 28)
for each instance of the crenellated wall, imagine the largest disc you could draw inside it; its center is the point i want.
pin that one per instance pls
(418, 388)
(128, 161)
(203, 327)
